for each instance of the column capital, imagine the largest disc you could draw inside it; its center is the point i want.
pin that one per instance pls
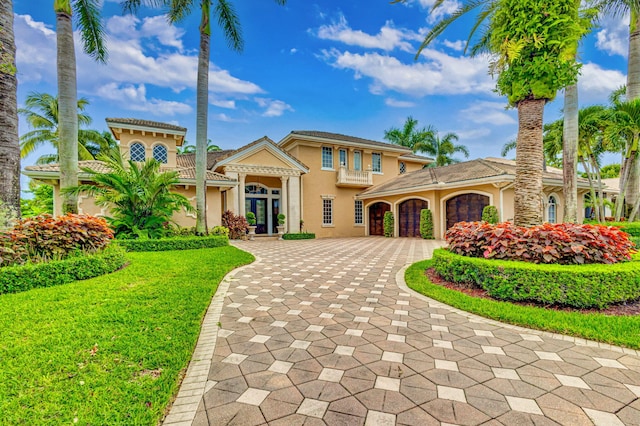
(284, 178)
(242, 176)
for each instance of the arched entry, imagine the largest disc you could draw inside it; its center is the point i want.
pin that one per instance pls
(465, 208)
(409, 217)
(376, 218)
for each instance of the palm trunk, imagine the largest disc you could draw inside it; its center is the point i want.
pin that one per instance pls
(633, 92)
(624, 185)
(570, 153)
(9, 145)
(596, 171)
(67, 105)
(592, 190)
(202, 106)
(529, 159)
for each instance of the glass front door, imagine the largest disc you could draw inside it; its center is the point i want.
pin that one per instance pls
(259, 207)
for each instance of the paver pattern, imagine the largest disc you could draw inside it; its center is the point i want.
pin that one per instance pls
(320, 332)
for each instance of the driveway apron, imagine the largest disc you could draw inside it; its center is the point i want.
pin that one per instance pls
(325, 332)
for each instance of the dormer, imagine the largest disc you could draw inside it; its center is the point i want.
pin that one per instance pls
(141, 140)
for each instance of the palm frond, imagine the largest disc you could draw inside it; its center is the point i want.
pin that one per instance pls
(91, 30)
(230, 24)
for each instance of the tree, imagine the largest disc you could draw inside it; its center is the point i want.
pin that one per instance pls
(442, 148)
(41, 201)
(409, 136)
(227, 19)
(88, 12)
(42, 114)
(9, 146)
(138, 195)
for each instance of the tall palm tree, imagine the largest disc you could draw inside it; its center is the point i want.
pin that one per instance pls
(442, 148)
(9, 146)
(88, 13)
(42, 114)
(228, 20)
(409, 136)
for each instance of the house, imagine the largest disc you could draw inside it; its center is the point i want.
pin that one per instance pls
(333, 185)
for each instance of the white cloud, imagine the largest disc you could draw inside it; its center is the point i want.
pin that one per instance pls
(223, 103)
(595, 83)
(486, 112)
(274, 108)
(455, 45)
(446, 8)
(158, 27)
(439, 73)
(293, 51)
(471, 134)
(135, 98)
(398, 104)
(389, 38)
(613, 38)
(34, 62)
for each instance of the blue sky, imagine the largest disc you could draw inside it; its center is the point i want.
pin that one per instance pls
(336, 66)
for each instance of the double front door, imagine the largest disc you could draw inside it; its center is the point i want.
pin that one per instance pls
(266, 215)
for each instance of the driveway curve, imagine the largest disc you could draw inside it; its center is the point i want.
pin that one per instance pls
(320, 332)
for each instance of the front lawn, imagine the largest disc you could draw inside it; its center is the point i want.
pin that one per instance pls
(108, 350)
(616, 330)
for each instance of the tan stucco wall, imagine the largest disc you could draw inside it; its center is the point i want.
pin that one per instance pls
(149, 141)
(263, 158)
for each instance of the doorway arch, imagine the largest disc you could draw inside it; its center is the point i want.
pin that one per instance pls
(409, 217)
(376, 217)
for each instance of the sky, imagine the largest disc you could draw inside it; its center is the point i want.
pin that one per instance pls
(337, 66)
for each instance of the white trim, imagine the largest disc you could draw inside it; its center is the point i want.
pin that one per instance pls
(443, 204)
(545, 206)
(263, 143)
(122, 126)
(329, 141)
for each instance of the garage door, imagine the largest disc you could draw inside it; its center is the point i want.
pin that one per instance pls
(465, 208)
(409, 217)
(376, 218)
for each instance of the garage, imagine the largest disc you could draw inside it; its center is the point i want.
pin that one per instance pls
(376, 217)
(465, 208)
(409, 217)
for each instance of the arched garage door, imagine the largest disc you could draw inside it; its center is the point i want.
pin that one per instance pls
(409, 217)
(376, 218)
(465, 208)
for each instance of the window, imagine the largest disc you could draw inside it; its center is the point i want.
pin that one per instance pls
(327, 211)
(552, 209)
(403, 168)
(327, 157)
(357, 160)
(358, 212)
(376, 160)
(344, 161)
(160, 153)
(136, 152)
(255, 189)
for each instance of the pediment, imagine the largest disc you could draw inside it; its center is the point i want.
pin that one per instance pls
(263, 153)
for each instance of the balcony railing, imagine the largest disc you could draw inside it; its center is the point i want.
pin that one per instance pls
(354, 178)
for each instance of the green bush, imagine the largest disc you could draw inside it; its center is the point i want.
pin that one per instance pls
(426, 224)
(387, 224)
(281, 219)
(490, 214)
(175, 243)
(580, 286)
(251, 218)
(299, 236)
(631, 228)
(636, 241)
(14, 279)
(220, 230)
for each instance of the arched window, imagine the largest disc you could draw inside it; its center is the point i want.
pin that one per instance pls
(160, 153)
(552, 209)
(136, 152)
(255, 189)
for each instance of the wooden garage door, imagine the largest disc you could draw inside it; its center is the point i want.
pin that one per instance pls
(409, 217)
(376, 218)
(465, 208)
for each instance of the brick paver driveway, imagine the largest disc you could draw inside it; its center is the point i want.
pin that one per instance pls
(320, 332)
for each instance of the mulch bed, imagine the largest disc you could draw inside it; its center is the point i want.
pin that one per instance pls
(621, 309)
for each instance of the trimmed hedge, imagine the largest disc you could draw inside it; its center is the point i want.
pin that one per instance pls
(631, 228)
(299, 236)
(636, 241)
(14, 279)
(579, 286)
(426, 224)
(175, 243)
(387, 224)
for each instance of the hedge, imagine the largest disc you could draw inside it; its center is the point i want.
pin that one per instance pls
(14, 279)
(174, 243)
(631, 228)
(636, 241)
(579, 286)
(299, 236)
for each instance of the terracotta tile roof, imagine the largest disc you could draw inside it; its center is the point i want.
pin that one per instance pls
(189, 160)
(145, 123)
(413, 156)
(345, 138)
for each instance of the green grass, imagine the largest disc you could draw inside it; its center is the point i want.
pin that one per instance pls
(616, 330)
(109, 350)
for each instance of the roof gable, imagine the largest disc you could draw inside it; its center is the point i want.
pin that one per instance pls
(262, 152)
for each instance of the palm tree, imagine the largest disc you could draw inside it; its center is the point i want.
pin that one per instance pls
(9, 147)
(442, 148)
(137, 194)
(88, 12)
(42, 114)
(409, 136)
(227, 19)
(190, 149)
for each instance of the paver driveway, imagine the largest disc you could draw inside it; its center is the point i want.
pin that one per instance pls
(320, 332)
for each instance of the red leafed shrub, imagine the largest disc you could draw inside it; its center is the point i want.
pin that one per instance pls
(562, 243)
(237, 225)
(44, 237)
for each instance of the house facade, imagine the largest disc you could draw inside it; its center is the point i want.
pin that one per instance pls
(330, 184)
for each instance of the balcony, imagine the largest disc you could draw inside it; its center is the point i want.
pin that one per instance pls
(354, 178)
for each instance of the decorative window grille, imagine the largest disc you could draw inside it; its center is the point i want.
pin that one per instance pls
(327, 212)
(358, 212)
(136, 152)
(160, 153)
(552, 209)
(376, 160)
(327, 157)
(403, 168)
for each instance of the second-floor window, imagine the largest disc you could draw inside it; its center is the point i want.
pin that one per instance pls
(160, 153)
(136, 152)
(327, 157)
(376, 162)
(403, 168)
(344, 161)
(357, 160)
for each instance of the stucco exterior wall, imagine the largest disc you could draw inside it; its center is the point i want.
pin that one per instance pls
(149, 140)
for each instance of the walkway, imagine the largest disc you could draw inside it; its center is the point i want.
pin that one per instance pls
(319, 332)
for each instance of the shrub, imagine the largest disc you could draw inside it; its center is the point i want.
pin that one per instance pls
(44, 238)
(562, 243)
(631, 228)
(281, 219)
(490, 215)
(387, 224)
(299, 236)
(220, 230)
(636, 241)
(237, 225)
(426, 224)
(580, 286)
(176, 243)
(251, 218)
(18, 278)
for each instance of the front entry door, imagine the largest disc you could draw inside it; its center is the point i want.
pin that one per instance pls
(376, 218)
(259, 207)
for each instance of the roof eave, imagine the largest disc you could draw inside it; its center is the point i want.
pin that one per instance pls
(293, 136)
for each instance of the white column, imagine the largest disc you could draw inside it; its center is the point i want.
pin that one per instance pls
(232, 197)
(294, 204)
(283, 201)
(241, 193)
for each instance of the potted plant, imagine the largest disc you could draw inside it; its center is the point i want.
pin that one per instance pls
(251, 220)
(281, 218)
